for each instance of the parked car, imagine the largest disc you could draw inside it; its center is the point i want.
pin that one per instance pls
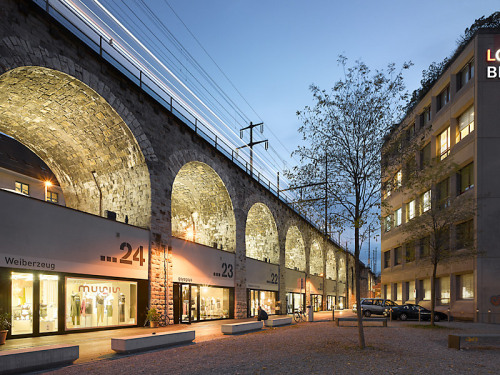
(375, 306)
(410, 311)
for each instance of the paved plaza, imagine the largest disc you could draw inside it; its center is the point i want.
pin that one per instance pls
(313, 348)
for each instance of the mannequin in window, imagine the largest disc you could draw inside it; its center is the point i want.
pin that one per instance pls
(75, 311)
(121, 308)
(99, 300)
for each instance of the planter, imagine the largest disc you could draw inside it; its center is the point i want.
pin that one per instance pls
(153, 324)
(3, 337)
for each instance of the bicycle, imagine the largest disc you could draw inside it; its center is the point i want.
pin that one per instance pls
(299, 316)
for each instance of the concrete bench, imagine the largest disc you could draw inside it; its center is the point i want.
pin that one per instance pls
(36, 358)
(276, 322)
(380, 320)
(472, 339)
(231, 329)
(149, 341)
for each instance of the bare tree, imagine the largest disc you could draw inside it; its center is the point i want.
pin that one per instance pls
(344, 133)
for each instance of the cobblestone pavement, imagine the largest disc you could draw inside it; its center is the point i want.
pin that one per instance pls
(313, 348)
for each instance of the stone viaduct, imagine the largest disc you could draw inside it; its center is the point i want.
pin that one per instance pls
(113, 147)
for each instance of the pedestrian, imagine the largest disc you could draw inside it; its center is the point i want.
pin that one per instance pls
(261, 314)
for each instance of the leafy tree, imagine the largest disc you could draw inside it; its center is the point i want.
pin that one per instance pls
(344, 133)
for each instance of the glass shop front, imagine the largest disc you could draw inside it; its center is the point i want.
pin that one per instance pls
(317, 302)
(197, 303)
(264, 298)
(49, 303)
(330, 303)
(294, 302)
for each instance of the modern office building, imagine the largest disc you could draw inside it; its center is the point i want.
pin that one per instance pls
(459, 120)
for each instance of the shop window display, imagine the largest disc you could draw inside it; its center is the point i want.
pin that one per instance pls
(317, 302)
(92, 303)
(294, 302)
(330, 303)
(22, 303)
(214, 303)
(265, 299)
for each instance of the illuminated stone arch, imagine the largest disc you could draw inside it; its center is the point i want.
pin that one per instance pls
(316, 258)
(331, 265)
(87, 145)
(261, 234)
(295, 251)
(202, 210)
(342, 274)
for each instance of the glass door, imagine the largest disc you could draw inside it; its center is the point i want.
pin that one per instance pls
(185, 304)
(48, 303)
(22, 303)
(194, 304)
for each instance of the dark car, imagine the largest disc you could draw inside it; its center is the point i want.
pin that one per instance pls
(375, 306)
(410, 311)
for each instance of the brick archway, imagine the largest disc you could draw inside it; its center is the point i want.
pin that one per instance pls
(87, 145)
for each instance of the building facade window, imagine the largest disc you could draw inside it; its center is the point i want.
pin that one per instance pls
(386, 190)
(398, 217)
(443, 189)
(387, 259)
(398, 255)
(466, 74)
(465, 286)
(465, 235)
(398, 179)
(426, 289)
(444, 143)
(425, 247)
(465, 123)
(22, 188)
(411, 211)
(443, 98)
(466, 178)
(399, 291)
(52, 197)
(444, 290)
(410, 252)
(426, 115)
(425, 156)
(387, 223)
(425, 201)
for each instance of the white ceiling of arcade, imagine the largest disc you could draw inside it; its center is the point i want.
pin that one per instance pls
(76, 132)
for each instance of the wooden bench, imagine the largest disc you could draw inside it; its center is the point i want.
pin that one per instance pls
(231, 329)
(150, 341)
(472, 339)
(380, 320)
(276, 322)
(36, 358)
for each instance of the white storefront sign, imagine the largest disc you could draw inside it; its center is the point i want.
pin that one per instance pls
(198, 264)
(295, 281)
(262, 275)
(45, 237)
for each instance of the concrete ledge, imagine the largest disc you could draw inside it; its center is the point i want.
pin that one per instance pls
(278, 322)
(380, 320)
(150, 341)
(231, 329)
(472, 339)
(36, 358)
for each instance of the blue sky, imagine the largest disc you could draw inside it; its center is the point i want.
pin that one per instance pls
(272, 51)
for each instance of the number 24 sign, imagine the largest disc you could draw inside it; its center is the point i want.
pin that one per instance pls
(137, 257)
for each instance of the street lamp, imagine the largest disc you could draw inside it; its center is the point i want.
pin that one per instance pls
(47, 184)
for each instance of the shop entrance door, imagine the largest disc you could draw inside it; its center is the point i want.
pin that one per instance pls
(185, 303)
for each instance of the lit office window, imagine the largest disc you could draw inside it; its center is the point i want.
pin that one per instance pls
(466, 286)
(398, 179)
(426, 289)
(426, 201)
(22, 188)
(465, 123)
(398, 217)
(387, 223)
(411, 210)
(444, 290)
(444, 143)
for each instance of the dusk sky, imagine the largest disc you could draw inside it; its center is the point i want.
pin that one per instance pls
(272, 51)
